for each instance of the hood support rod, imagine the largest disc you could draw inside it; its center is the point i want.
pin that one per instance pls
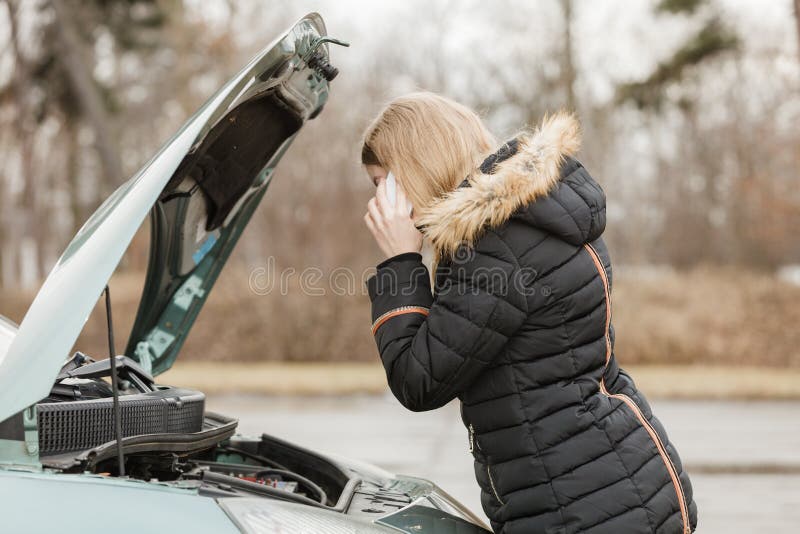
(114, 386)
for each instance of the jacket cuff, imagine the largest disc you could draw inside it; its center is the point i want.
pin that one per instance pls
(411, 256)
(402, 280)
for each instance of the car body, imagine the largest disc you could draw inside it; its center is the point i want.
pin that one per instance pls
(183, 468)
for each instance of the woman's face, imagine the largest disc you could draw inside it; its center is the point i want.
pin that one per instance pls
(376, 173)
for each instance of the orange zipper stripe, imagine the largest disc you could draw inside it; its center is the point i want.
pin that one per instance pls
(395, 312)
(662, 451)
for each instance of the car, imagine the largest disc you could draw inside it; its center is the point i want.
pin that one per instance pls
(91, 444)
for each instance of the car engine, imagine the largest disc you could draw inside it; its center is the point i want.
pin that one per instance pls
(169, 437)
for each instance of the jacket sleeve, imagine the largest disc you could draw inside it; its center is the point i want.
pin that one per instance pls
(433, 347)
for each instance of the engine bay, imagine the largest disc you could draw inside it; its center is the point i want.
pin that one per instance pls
(169, 437)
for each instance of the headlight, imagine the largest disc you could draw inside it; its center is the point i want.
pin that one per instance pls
(420, 518)
(266, 516)
(423, 493)
(433, 511)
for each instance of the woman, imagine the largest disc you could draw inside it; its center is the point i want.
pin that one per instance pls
(518, 327)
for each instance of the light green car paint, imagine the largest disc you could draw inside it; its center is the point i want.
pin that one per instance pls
(36, 503)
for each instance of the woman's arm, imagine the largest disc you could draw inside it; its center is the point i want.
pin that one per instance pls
(433, 347)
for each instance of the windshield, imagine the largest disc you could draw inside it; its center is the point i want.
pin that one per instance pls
(8, 329)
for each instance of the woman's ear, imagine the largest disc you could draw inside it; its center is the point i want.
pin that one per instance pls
(376, 173)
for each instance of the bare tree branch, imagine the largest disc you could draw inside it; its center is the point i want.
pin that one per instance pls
(568, 65)
(71, 55)
(797, 23)
(27, 223)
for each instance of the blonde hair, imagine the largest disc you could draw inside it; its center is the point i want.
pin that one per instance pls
(429, 142)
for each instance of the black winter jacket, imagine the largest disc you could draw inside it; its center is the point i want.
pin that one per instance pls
(519, 329)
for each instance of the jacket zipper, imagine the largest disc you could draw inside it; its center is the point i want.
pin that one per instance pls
(662, 451)
(491, 483)
(471, 438)
(488, 467)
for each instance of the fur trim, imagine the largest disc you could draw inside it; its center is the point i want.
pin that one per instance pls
(460, 216)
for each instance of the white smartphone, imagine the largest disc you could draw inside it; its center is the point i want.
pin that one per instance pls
(391, 191)
(391, 188)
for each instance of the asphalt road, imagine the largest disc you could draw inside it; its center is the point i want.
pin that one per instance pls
(743, 457)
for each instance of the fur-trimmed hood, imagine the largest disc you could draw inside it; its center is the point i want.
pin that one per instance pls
(532, 177)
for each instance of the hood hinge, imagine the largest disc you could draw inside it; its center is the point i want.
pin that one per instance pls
(19, 440)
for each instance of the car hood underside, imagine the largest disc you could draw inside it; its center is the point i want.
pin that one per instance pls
(200, 190)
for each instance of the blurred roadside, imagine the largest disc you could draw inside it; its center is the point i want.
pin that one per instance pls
(709, 333)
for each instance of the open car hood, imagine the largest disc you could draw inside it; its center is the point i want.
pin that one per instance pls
(201, 189)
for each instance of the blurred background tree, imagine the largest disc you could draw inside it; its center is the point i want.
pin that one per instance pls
(689, 109)
(61, 100)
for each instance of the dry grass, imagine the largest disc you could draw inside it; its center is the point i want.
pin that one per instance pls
(710, 332)
(237, 324)
(716, 382)
(707, 316)
(279, 378)
(326, 378)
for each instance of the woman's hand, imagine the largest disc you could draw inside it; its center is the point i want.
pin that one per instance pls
(391, 226)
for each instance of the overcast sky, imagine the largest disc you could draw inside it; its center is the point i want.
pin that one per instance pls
(615, 40)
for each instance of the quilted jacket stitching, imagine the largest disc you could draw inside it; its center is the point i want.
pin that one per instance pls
(528, 425)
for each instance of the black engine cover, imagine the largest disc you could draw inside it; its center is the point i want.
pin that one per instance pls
(85, 424)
